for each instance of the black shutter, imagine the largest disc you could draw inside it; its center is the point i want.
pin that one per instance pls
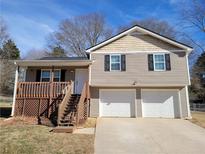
(63, 75)
(168, 63)
(123, 63)
(150, 62)
(88, 55)
(38, 75)
(107, 63)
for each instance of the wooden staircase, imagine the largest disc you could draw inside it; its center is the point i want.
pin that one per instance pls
(69, 115)
(73, 110)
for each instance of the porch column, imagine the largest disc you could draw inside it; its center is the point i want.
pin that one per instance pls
(52, 74)
(51, 90)
(15, 89)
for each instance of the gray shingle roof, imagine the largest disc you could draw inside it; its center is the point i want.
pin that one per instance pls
(64, 58)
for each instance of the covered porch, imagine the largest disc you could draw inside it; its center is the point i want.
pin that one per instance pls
(41, 85)
(58, 71)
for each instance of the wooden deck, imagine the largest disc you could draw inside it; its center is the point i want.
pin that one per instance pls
(35, 98)
(55, 101)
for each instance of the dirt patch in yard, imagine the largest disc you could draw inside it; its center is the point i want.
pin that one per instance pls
(198, 118)
(18, 121)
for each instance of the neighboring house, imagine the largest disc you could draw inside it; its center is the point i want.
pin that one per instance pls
(137, 73)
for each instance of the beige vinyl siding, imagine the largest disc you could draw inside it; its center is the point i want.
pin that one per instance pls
(138, 106)
(137, 71)
(31, 75)
(94, 102)
(184, 102)
(137, 63)
(137, 43)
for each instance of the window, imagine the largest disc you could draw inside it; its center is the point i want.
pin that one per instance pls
(46, 75)
(159, 62)
(57, 76)
(115, 62)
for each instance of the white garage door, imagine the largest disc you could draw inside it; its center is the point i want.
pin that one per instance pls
(160, 103)
(117, 103)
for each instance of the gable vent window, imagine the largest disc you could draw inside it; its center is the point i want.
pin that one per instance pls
(115, 62)
(159, 62)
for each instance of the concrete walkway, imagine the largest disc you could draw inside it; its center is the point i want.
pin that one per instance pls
(148, 136)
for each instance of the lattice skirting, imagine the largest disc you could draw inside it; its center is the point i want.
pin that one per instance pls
(33, 107)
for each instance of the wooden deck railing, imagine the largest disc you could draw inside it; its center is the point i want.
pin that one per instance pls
(83, 105)
(40, 89)
(35, 98)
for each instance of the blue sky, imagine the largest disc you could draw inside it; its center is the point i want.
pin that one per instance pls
(30, 21)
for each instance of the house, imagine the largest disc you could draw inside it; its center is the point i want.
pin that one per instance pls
(137, 73)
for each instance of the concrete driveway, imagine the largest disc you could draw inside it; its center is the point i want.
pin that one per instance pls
(148, 136)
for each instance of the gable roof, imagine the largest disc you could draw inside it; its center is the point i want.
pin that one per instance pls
(143, 30)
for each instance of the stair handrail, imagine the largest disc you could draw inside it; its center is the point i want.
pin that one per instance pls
(67, 91)
(83, 105)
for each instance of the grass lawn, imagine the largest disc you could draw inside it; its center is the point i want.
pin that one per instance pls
(198, 118)
(90, 123)
(22, 138)
(5, 101)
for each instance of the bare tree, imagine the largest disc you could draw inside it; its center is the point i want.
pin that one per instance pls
(4, 36)
(76, 34)
(57, 51)
(193, 16)
(35, 54)
(156, 25)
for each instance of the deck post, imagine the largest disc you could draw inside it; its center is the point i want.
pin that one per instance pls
(15, 89)
(51, 90)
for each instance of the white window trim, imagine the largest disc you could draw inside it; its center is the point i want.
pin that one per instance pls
(59, 74)
(45, 70)
(164, 62)
(115, 62)
(50, 73)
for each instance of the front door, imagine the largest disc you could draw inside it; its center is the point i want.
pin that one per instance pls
(81, 76)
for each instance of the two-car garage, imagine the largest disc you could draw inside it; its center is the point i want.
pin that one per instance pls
(153, 103)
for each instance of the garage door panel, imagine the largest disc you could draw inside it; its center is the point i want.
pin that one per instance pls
(117, 103)
(159, 103)
(116, 109)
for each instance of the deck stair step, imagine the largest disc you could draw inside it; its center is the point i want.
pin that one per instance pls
(69, 114)
(63, 129)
